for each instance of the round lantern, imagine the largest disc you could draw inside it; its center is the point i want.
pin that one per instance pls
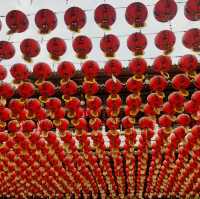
(82, 45)
(90, 69)
(56, 47)
(69, 88)
(183, 119)
(158, 83)
(165, 40)
(19, 72)
(3, 72)
(7, 50)
(113, 67)
(45, 20)
(105, 16)
(165, 10)
(109, 44)
(191, 39)
(16, 21)
(197, 81)
(6, 90)
(26, 90)
(136, 14)
(176, 99)
(136, 43)
(30, 48)
(134, 85)
(112, 86)
(75, 18)
(66, 70)
(46, 89)
(192, 10)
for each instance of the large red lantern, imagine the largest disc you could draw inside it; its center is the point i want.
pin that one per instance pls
(26, 90)
(46, 89)
(136, 43)
(56, 47)
(136, 14)
(105, 15)
(90, 69)
(6, 90)
(112, 86)
(3, 72)
(19, 72)
(113, 67)
(42, 71)
(165, 40)
(192, 10)
(109, 44)
(82, 45)
(69, 88)
(7, 50)
(17, 21)
(65, 70)
(165, 10)
(75, 18)
(45, 20)
(30, 48)
(191, 39)
(158, 83)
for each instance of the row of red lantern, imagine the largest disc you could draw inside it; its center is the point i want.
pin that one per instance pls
(104, 15)
(109, 44)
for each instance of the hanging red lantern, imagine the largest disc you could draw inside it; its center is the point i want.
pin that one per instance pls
(191, 39)
(26, 90)
(196, 97)
(56, 47)
(16, 105)
(109, 44)
(197, 81)
(113, 67)
(90, 87)
(19, 72)
(7, 50)
(176, 99)
(134, 85)
(105, 15)
(53, 104)
(69, 88)
(16, 21)
(154, 100)
(45, 20)
(158, 83)
(66, 70)
(45, 126)
(136, 14)
(75, 18)
(94, 102)
(6, 91)
(33, 105)
(192, 10)
(90, 69)
(146, 122)
(165, 121)
(112, 86)
(30, 48)
(5, 115)
(183, 119)
(165, 10)
(165, 40)
(46, 89)
(3, 72)
(28, 126)
(136, 43)
(82, 45)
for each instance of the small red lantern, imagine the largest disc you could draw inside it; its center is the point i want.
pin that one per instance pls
(45, 125)
(165, 121)
(112, 123)
(112, 86)
(196, 97)
(95, 123)
(181, 82)
(105, 15)
(146, 122)
(69, 88)
(5, 114)
(136, 43)
(183, 119)
(109, 44)
(134, 85)
(30, 48)
(28, 126)
(6, 90)
(7, 50)
(190, 107)
(165, 10)
(191, 39)
(16, 105)
(176, 99)
(33, 105)
(165, 40)
(79, 124)
(113, 67)
(53, 104)
(90, 87)
(192, 10)
(3, 72)
(168, 108)
(82, 45)
(66, 70)
(158, 83)
(56, 47)
(17, 21)
(154, 100)
(45, 20)
(19, 72)
(197, 81)
(94, 102)
(26, 90)
(46, 89)
(75, 18)
(136, 14)
(90, 69)
(42, 71)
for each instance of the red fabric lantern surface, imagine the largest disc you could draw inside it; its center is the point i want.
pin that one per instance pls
(191, 39)
(90, 69)
(146, 122)
(154, 100)
(56, 47)
(82, 45)
(112, 86)
(136, 43)
(5, 114)
(69, 88)
(138, 66)
(165, 121)
(66, 70)
(158, 83)
(134, 85)
(45, 20)
(183, 119)
(6, 91)
(192, 10)
(53, 104)
(165, 40)
(136, 14)
(197, 81)
(46, 89)
(94, 102)
(90, 87)
(196, 97)
(176, 99)
(33, 105)
(75, 18)
(19, 72)
(165, 10)
(42, 71)
(109, 44)
(188, 63)
(17, 21)
(7, 50)
(26, 90)
(3, 72)
(113, 67)
(105, 15)
(30, 48)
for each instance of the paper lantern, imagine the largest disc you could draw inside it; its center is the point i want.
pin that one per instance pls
(6, 90)
(134, 85)
(26, 89)
(19, 72)
(45, 20)
(113, 86)
(181, 82)
(53, 104)
(42, 71)
(46, 89)
(158, 83)
(3, 72)
(69, 88)
(192, 10)
(75, 18)
(113, 67)
(90, 69)
(17, 21)
(33, 105)
(136, 14)
(66, 70)
(7, 50)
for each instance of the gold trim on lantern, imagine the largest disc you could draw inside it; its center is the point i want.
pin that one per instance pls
(165, 74)
(64, 81)
(38, 82)
(179, 109)
(2, 101)
(160, 94)
(184, 92)
(2, 124)
(57, 122)
(139, 77)
(92, 81)
(192, 74)
(71, 114)
(75, 122)
(43, 99)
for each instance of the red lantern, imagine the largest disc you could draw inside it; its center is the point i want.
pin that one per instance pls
(42, 71)
(181, 82)
(26, 90)
(79, 124)
(56, 47)
(112, 86)
(7, 50)
(6, 90)
(190, 107)
(53, 104)
(192, 10)
(66, 70)
(94, 102)
(95, 123)
(90, 87)
(112, 123)
(176, 99)
(46, 89)
(82, 45)
(16, 105)
(69, 88)
(19, 72)
(90, 69)
(158, 83)
(113, 67)
(154, 100)
(17, 21)
(146, 122)
(134, 85)
(75, 18)
(136, 14)
(45, 20)
(136, 43)
(45, 125)
(165, 121)
(5, 114)
(3, 72)
(191, 39)
(196, 97)
(33, 105)
(183, 119)
(197, 81)
(105, 15)
(109, 44)
(28, 126)
(30, 48)
(165, 40)
(165, 10)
